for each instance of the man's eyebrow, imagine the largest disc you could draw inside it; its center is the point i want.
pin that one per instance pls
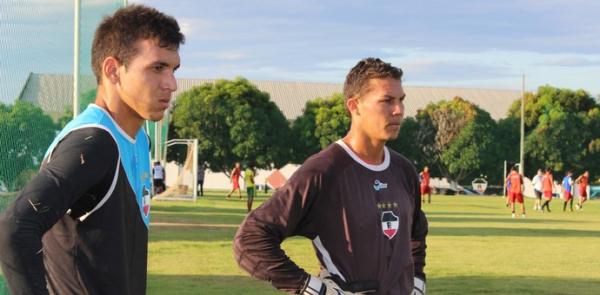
(164, 64)
(392, 97)
(159, 63)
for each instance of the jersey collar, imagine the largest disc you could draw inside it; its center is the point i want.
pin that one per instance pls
(380, 167)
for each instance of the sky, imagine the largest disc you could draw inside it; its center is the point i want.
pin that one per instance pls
(473, 44)
(480, 44)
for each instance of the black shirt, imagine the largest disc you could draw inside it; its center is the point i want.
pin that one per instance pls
(365, 222)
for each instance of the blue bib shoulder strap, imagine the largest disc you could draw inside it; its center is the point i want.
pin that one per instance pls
(134, 155)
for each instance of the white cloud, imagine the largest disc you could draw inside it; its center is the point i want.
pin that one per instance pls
(572, 61)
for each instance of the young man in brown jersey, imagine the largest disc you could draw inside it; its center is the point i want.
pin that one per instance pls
(358, 201)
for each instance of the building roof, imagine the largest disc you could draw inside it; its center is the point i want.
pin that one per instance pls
(53, 93)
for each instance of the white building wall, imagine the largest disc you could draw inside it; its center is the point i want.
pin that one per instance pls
(218, 180)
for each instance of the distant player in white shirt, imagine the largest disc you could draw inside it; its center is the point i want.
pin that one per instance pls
(158, 176)
(537, 189)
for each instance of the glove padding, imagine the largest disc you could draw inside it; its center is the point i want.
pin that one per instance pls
(325, 286)
(316, 286)
(419, 288)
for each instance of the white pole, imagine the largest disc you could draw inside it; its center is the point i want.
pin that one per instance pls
(195, 168)
(504, 179)
(124, 3)
(157, 139)
(76, 58)
(522, 149)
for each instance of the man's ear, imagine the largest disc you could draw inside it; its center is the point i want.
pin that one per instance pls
(110, 70)
(352, 105)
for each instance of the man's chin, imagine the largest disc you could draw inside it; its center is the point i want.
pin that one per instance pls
(392, 136)
(155, 117)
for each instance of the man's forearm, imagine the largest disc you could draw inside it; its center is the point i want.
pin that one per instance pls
(21, 248)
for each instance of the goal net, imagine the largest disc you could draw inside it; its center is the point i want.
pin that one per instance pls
(181, 178)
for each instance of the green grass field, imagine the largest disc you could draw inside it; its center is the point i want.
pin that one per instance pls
(474, 247)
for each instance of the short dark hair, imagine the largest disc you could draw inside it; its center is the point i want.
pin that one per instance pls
(116, 34)
(357, 80)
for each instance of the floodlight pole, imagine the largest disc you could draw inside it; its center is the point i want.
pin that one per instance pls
(195, 168)
(157, 139)
(504, 179)
(76, 57)
(522, 148)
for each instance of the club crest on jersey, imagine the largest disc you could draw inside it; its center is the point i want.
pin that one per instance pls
(389, 224)
(379, 185)
(146, 200)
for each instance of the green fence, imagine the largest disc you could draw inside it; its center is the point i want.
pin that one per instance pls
(36, 77)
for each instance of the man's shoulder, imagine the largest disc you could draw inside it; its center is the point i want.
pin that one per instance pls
(91, 136)
(397, 158)
(331, 159)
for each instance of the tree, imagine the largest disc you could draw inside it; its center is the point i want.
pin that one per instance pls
(562, 130)
(324, 121)
(26, 133)
(455, 138)
(505, 148)
(233, 121)
(85, 99)
(305, 143)
(411, 139)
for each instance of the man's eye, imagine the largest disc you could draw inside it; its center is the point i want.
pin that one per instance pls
(158, 68)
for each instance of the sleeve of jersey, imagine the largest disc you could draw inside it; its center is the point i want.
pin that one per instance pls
(80, 161)
(419, 233)
(257, 244)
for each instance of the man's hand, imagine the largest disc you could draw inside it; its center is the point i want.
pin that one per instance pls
(419, 288)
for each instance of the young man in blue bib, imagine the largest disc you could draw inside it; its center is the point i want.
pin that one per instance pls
(81, 225)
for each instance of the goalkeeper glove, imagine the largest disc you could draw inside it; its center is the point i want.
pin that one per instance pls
(419, 288)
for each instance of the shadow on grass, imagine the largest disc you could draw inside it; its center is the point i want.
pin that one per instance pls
(458, 213)
(206, 217)
(194, 222)
(194, 208)
(522, 285)
(209, 233)
(512, 232)
(453, 285)
(505, 219)
(207, 284)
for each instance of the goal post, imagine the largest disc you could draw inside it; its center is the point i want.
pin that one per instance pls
(185, 185)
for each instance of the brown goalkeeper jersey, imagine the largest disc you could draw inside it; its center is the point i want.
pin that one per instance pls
(365, 223)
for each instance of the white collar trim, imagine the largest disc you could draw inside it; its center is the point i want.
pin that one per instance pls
(132, 140)
(384, 165)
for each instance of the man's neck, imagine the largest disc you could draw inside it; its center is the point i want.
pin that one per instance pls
(367, 149)
(125, 117)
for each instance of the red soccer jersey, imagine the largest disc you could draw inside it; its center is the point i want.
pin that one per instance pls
(547, 182)
(515, 182)
(235, 174)
(583, 183)
(425, 178)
